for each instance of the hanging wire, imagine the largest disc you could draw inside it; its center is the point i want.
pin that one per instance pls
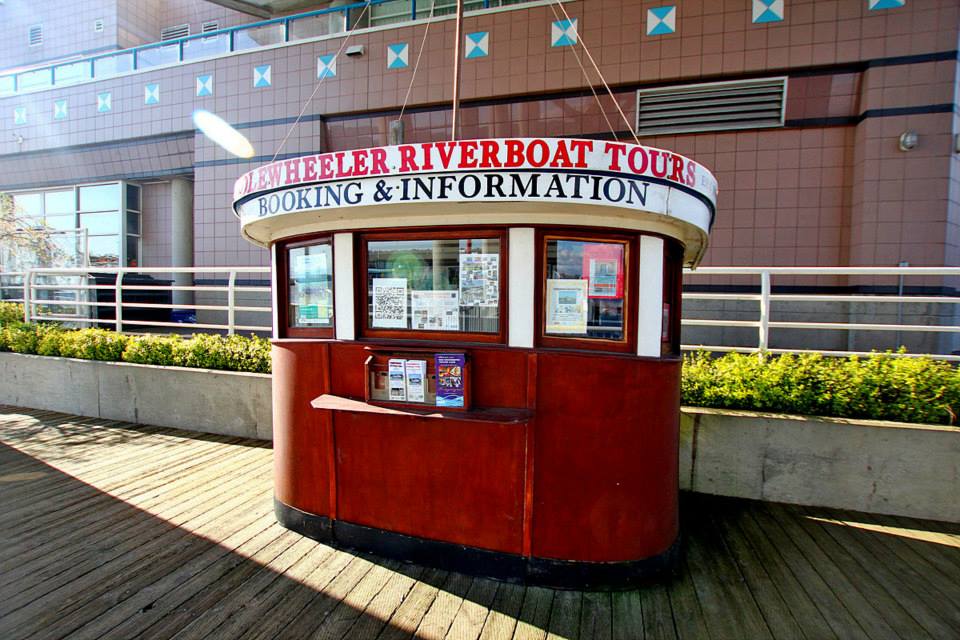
(586, 77)
(416, 65)
(336, 56)
(629, 124)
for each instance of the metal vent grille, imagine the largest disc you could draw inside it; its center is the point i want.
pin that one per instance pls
(713, 106)
(207, 27)
(177, 31)
(36, 35)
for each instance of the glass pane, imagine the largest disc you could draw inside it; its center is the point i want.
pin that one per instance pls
(257, 37)
(73, 72)
(585, 289)
(62, 222)
(133, 222)
(133, 251)
(104, 251)
(101, 197)
(112, 65)
(133, 197)
(313, 26)
(34, 79)
(28, 205)
(310, 286)
(206, 46)
(446, 7)
(155, 56)
(7, 84)
(389, 12)
(434, 285)
(60, 201)
(97, 223)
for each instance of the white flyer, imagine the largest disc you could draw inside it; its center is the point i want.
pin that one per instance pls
(567, 306)
(435, 310)
(397, 379)
(479, 279)
(305, 266)
(416, 371)
(390, 303)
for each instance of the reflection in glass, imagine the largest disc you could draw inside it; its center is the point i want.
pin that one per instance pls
(584, 289)
(112, 65)
(100, 223)
(28, 205)
(434, 285)
(62, 222)
(206, 46)
(133, 222)
(257, 37)
(104, 251)
(313, 26)
(133, 251)
(73, 72)
(101, 197)
(60, 201)
(133, 197)
(310, 286)
(34, 79)
(155, 56)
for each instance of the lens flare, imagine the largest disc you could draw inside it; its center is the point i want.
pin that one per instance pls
(222, 133)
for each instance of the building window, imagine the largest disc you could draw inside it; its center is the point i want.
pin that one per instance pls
(584, 291)
(309, 288)
(35, 36)
(418, 285)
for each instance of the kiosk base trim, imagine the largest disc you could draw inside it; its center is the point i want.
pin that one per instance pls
(547, 572)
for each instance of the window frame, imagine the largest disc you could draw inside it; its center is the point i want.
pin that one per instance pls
(362, 301)
(286, 330)
(631, 263)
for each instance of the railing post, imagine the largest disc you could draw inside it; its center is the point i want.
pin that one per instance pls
(231, 302)
(118, 300)
(764, 331)
(27, 285)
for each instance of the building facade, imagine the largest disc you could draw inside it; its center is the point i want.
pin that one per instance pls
(831, 125)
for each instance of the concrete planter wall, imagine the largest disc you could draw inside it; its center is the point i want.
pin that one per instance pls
(881, 467)
(221, 402)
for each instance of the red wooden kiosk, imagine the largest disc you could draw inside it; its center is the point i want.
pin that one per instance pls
(476, 350)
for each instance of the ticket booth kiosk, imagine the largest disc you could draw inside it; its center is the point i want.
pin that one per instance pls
(476, 351)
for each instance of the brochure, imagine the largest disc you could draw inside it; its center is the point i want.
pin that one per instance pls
(435, 310)
(479, 279)
(567, 306)
(450, 368)
(416, 371)
(396, 368)
(390, 303)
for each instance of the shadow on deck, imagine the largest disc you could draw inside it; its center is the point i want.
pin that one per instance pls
(111, 530)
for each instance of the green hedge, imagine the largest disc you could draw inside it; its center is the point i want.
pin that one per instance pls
(880, 387)
(202, 351)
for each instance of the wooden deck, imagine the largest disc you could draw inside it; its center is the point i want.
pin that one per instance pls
(110, 530)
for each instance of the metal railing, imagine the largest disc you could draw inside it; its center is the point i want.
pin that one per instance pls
(77, 296)
(301, 26)
(765, 301)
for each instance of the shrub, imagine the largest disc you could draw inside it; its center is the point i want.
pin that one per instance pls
(880, 387)
(10, 313)
(93, 344)
(165, 351)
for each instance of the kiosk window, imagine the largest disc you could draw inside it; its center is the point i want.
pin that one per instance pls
(584, 292)
(449, 284)
(310, 286)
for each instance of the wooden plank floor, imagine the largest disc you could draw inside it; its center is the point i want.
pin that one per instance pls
(110, 530)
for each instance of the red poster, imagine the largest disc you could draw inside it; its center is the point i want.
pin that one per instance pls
(603, 267)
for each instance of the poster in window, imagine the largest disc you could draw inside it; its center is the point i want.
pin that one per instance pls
(390, 303)
(435, 310)
(603, 265)
(450, 369)
(479, 279)
(567, 306)
(314, 303)
(309, 267)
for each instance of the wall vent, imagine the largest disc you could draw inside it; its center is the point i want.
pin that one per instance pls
(172, 33)
(207, 27)
(712, 106)
(98, 25)
(36, 35)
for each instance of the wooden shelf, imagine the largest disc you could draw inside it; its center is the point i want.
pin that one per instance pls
(500, 415)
